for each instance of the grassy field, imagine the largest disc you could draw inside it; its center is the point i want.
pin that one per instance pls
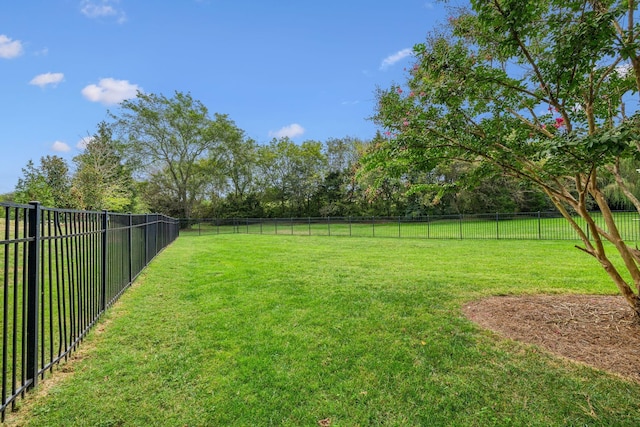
(290, 330)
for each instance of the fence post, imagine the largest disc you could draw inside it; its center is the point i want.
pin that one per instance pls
(131, 247)
(497, 226)
(539, 227)
(460, 226)
(105, 225)
(373, 225)
(399, 227)
(156, 234)
(146, 239)
(588, 237)
(329, 225)
(33, 274)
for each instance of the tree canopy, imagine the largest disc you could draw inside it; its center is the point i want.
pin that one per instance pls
(170, 137)
(48, 183)
(101, 180)
(537, 91)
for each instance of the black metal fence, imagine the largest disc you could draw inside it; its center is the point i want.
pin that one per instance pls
(61, 269)
(516, 226)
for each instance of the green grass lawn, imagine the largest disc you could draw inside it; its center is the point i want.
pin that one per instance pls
(257, 330)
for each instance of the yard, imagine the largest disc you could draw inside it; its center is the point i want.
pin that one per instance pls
(307, 330)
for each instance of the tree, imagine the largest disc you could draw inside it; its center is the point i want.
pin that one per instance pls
(56, 173)
(7, 197)
(49, 183)
(160, 195)
(310, 173)
(101, 180)
(237, 161)
(290, 174)
(170, 136)
(32, 186)
(531, 90)
(342, 155)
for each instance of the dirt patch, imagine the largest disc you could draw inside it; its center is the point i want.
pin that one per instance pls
(600, 331)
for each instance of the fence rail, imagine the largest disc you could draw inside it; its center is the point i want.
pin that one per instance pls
(61, 269)
(515, 226)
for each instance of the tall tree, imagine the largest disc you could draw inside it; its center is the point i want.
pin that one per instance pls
(342, 153)
(48, 183)
(237, 159)
(171, 136)
(290, 174)
(56, 173)
(310, 173)
(32, 186)
(101, 180)
(532, 90)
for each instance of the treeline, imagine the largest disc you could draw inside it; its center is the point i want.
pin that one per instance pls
(169, 155)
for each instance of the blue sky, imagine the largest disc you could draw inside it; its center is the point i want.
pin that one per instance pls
(297, 68)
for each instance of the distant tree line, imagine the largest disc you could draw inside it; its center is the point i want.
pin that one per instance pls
(169, 155)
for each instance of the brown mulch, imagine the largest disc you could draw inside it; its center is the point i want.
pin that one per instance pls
(600, 331)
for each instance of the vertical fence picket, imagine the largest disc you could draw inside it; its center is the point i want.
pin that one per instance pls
(33, 286)
(130, 241)
(105, 251)
(5, 310)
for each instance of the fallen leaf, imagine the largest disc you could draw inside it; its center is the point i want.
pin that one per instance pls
(325, 423)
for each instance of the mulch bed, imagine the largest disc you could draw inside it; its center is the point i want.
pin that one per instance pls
(600, 331)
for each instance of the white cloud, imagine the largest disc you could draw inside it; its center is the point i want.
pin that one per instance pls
(47, 79)
(102, 9)
(60, 147)
(350, 102)
(82, 144)
(110, 91)
(290, 131)
(392, 59)
(9, 48)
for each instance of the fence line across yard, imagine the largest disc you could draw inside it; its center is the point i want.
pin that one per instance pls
(61, 269)
(515, 226)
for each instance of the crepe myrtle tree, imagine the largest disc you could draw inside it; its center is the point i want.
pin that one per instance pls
(543, 91)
